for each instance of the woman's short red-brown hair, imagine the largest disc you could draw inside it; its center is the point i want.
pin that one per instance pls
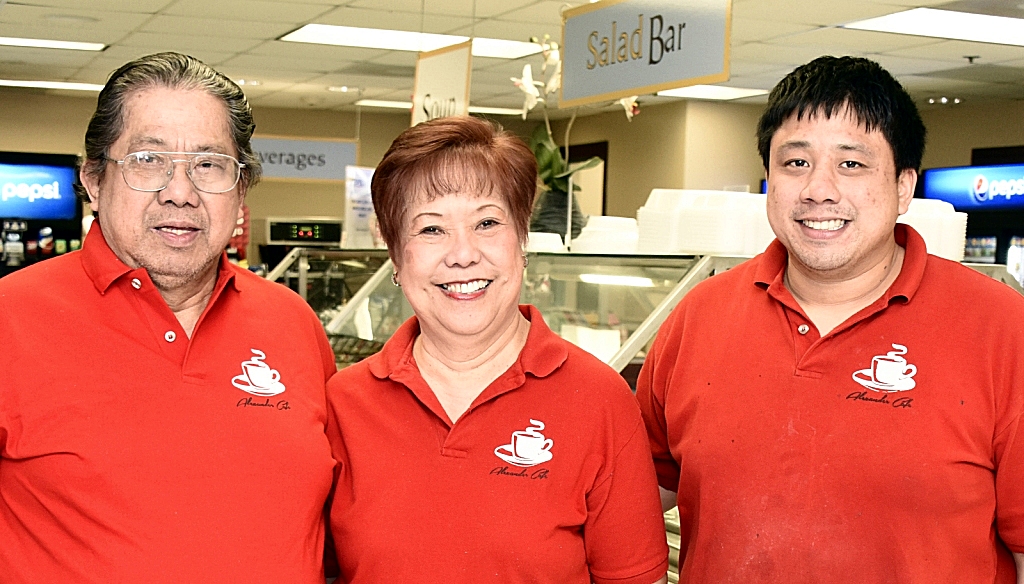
(454, 155)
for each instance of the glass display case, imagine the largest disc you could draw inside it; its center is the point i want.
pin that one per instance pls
(610, 305)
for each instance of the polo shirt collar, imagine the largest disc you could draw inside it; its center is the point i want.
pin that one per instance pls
(543, 353)
(771, 270)
(104, 267)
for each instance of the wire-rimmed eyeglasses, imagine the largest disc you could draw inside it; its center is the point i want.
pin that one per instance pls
(150, 172)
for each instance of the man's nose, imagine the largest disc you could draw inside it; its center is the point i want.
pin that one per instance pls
(179, 191)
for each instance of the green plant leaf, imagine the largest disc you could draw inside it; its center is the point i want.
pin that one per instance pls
(589, 163)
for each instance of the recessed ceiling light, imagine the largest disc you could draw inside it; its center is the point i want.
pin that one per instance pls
(250, 82)
(403, 40)
(616, 280)
(50, 44)
(947, 24)
(407, 105)
(719, 92)
(50, 85)
(497, 111)
(343, 89)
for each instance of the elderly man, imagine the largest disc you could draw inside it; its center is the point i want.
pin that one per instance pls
(844, 407)
(161, 411)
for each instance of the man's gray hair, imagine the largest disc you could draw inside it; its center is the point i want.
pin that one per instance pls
(174, 71)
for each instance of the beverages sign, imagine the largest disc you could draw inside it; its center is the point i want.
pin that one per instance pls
(977, 188)
(312, 159)
(619, 48)
(37, 192)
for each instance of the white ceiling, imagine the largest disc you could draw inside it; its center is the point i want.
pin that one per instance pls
(238, 37)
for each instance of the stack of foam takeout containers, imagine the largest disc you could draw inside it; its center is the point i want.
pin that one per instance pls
(607, 234)
(703, 222)
(944, 230)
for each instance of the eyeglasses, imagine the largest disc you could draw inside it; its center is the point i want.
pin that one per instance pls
(152, 171)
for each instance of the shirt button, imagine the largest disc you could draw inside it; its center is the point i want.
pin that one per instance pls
(169, 336)
(136, 283)
(802, 329)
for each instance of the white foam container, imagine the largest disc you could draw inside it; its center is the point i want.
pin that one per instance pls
(607, 234)
(703, 222)
(944, 230)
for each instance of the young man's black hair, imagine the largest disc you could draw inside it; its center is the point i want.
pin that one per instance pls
(828, 86)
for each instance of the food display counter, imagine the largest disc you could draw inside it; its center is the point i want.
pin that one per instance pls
(611, 305)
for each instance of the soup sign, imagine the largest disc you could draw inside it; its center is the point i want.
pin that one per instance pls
(619, 48)
(442, 83)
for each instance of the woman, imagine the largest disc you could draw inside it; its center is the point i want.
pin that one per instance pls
(478, 446)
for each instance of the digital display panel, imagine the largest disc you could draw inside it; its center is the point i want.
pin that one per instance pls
(37, 191)
(977, 188)
(307, 232)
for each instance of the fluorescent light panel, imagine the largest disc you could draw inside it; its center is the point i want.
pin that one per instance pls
(718, 92)
(48, 44)
(947, 24)
(614, 280)
(407, 105)
(403, 40)
(50, 85)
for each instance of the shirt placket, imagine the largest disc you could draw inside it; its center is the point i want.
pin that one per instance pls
(163, 326)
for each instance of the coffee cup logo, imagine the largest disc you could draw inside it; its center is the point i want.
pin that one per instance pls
(257, 377)
(888, 373)
(528, 447)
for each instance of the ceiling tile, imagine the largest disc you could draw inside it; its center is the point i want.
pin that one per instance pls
(258, 62)
(185, 43)
(853, 41)
(36, 71)
(257, 10)
(393, 19)
(543, 12)
(119, 55)
(106, 37)
(511, 30)
(958, 50)
(317, 53)
(141, 6)
(750, 29)
(164, 23)
(22, 55)
(71, 20)
(828, 13)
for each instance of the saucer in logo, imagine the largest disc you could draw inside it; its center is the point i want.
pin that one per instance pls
(888, 373)
(257, 377)
(527, 448)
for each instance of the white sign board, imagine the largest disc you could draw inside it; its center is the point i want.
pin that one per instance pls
(442, 83)
(620, 48)
(290, 158)
(358, 208)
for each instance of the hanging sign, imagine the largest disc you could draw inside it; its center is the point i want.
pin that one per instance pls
(442, 83)
(620, 48)
(290, 158)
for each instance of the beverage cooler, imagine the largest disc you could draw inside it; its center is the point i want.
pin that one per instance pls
(40, 215)
(993, 198)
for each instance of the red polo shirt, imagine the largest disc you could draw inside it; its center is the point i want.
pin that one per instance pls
(546, 478)
(132, 453)
(885, 451)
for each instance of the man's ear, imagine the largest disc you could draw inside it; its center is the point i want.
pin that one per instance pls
(91, 182)
(906, 182)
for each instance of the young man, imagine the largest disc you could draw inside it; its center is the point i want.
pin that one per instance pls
(161, 411)
(843, 407)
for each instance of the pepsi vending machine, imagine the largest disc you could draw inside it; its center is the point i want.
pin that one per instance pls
(40, 215)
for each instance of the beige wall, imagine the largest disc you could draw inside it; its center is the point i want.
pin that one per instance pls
(721, 148)
(692, 145)
(643, 154)
(954, 130)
